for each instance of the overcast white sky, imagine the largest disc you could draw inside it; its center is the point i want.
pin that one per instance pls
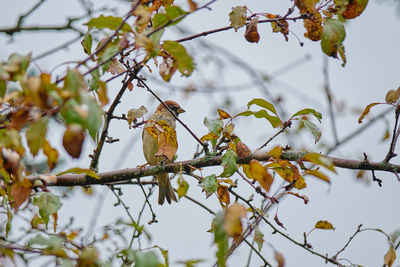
(372, 48)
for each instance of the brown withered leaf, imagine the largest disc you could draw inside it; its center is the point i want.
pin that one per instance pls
(314, 27)
(354, 8)
(20, 191)
(392, 96)
(366, 111)
(116, 67)
(51, 154)
(306, 6)
(251, 33)
(279, 259)
(192, 5)
(73, 139)
(166, 139)
(102, 93)
(259, 173)
(223, 114)
(242, 150)
(223, 194)
(276, 219)
(390, 256)
(232, 221)
(19, 119)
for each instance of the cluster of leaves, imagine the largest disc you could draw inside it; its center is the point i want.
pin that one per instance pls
(328, 29)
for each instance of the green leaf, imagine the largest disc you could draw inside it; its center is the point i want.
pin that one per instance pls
(312, 128)
(273, 120)
(258, 238)
(74, 81)
(220, 239)
(307, 111)
(36, 135)
(262, 103)
(87, 44)
(47, 203)
(237, 17)
(209, 184)
(229, 163)
(95, 117)
(332, 38)
(183, 186)
(51, 241)
(108, 22)
(78, 170)
(147, 259)
(179, 53)
(214, 125)
(109, 52)
(171, 13)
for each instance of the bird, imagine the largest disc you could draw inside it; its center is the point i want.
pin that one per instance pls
(151, 136)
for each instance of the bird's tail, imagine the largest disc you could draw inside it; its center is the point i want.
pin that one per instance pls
(165, 190)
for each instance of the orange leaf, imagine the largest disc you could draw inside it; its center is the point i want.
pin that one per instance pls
(390, 256)
(366, 111)
(166, 138)
(259, 173)
(223, 114)
(279, 259)
(232, 221)
(251, 33)
(223, 194)
(354, 8)
(20, 192)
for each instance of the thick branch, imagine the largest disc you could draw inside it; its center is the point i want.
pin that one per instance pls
(207, 161)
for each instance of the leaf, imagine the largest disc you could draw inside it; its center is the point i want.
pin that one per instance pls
(102, 93)
(354, 8)
(232, 221)
(88, 257)
(146, 259)
(260, 174)
(333, 36)
(300, 183)
(262, 103)
(320, 160)
(223, 114)
(78, 170)
(258, 238)
(223, 194)
(209, 136)
(325, 225)
(392, 96)
(47, 204)
(214, 125)
(95, 117)
(74, 82)
(51, 154)
(242, 150)
(36, 134)
(171, 13)
(237, 17)
(20, 191)
(183, 186)
(209, 184)
(87, 43)
(179, 53)
(135, 113)
(276, 152)
(116, 67)
(318, 174)
(279, 259)
(312, 128)
(307, 111)
(109, 22)
(273, 120)
(220, 239)
(366, 111)
(276, 219)
(314, 27)
(390, 256)
(251, 33)
(229, 163)
(73, 139)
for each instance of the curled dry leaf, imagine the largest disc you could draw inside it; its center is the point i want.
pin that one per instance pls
(251, 33)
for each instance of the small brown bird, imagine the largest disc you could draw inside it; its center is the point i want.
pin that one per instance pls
(151, 147)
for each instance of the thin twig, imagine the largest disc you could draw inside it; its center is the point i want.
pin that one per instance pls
(329, 97)
(153, 215)
(348, 242)
(204, 145)
(266, 263)
(396, 132)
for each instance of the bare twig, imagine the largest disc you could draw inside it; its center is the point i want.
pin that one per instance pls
(329, 97)
(396, 132)
(348, 242)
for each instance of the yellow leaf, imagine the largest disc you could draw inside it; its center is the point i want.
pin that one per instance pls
(324, 225)
(223, 114)
(390, 256)
(260, 173)
(276, 152)
(366, 111)
(320, 160)
(300, 183)
(223, 194)
(232, 221)
(209, 136)
(318, 174)
(51, 154)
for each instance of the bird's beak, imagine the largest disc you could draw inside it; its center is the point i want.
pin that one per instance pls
(180, 110)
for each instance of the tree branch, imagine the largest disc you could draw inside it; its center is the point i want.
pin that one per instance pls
(207, 161)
